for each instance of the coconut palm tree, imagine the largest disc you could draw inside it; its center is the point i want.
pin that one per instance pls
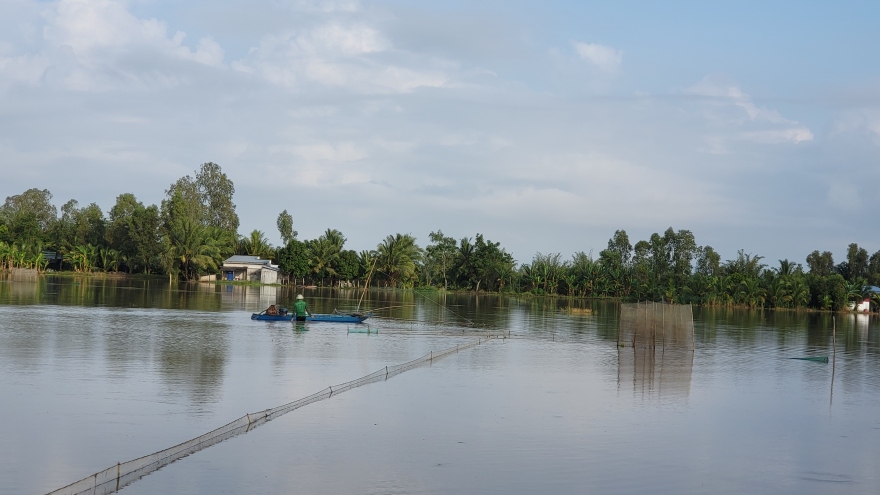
(786, 268)
(800, 292)
(195, 248)
(323, 254)
(397, 258)
(751, 293)
(256, 245)
(778, 291)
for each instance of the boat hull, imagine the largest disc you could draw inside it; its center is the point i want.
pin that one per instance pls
(338, 318)
(256, 316)
(328, 318)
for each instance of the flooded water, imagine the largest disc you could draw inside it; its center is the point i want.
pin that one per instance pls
(95, 372)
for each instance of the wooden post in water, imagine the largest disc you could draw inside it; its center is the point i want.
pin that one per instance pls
(834, 337)
(833, 357)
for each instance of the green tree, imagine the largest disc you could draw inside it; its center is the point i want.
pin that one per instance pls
(196, 249)
(821, 264)
(397, 258)
(285, 227)
(28, 216)
(216, 190)
(788, 268)
(874, 269)
(708, 261)
(681, 248)
(120, 223)
(745, 265)
(490, 261)
(145, 232)
(440, 256)
(348, 265)
(464, 266)
(294, 259)
(323, 255)
(857, 263)
(206, 199)
(256, 245)
(828, 292)
(619, 251)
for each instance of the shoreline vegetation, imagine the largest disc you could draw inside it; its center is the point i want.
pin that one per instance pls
(195, 228)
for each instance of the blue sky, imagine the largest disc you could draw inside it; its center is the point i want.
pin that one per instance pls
(543, 125)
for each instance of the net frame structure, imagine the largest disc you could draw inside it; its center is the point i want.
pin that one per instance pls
(661, 340)
(115, 477)
(650, 325)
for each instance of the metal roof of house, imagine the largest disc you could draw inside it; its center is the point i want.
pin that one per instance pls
(253, 260)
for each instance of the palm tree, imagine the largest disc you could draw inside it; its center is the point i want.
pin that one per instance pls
(256, 245)
(109, 259)
(786, 268)
(397, 257)
(168, 258)
(194, 247)
(800, 292)
(751, 292)
(335, 238)
(778, 291)
(697, 288)
(323, 254)
(464, 261)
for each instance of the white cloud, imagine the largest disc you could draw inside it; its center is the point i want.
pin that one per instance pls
(98, 45)
(350, 41)
(328, 6)
(779, 136)
(336, 93)
(345, 57)
(762, 125)
(604, 58)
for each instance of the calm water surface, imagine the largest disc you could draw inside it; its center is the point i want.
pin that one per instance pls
(98, 371)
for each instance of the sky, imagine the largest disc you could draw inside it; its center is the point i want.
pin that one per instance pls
(545, 126)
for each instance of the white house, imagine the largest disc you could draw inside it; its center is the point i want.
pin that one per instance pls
(252, 268)
(862, 307)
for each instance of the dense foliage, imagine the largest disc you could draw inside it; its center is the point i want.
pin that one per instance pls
(195, 228)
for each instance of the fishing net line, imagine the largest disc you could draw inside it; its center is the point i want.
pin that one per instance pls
(121, 474)
(653, 325)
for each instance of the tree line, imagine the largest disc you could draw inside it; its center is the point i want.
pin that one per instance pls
(195, 228)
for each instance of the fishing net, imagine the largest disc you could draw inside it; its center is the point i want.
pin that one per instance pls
(655, 373)
(655, 348)
(115, 477)
(653, 325)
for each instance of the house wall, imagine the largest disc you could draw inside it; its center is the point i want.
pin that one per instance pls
(268, 276)
(251, 273)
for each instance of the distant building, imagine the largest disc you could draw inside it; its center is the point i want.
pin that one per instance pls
(53, 259)
(251, 268)
(862, 307)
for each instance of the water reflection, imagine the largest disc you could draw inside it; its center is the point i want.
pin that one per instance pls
(665, 374)
(120, 360)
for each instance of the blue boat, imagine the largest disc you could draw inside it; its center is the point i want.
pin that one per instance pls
(265, 317)
(332, 318)
(340, 317)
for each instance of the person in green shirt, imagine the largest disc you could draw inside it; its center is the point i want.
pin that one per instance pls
(299, 308)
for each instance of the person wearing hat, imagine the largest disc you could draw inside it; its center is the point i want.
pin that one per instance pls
(299, 308)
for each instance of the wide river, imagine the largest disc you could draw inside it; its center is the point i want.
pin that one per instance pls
(95, 372)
